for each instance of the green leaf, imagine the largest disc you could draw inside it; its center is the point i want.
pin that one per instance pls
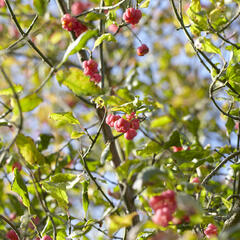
(58, 192)
(148, 177)
(226, 203)
(145, 4)
(69, 179)
(150, 148)
(174, 140)
(192, 123)
(15, 204)
(28, 150)
(93, 16)
(217, 17)
(124, 169)
(20, 188)
(65, 117)
(41, 6)
(230, 124)
(160, 121)
(85, 200)
(105, 37)
(78, 44)
(44, 141)
(198, 18)
(9, 92)
(205, 44)
(77, 82)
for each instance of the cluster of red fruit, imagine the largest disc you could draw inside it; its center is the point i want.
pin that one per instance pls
(70, 23)
(91, 69)
(13, 236)
(164, 206)
(127, 126)
(211, 231)
(133, 16)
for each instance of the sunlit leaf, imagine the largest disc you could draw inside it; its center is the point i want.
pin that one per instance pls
(77, 82)
(20, 188)
(28, 150)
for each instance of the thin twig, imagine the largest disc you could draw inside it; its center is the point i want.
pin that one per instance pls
(11, 225)
(213, 172)
(101, 8)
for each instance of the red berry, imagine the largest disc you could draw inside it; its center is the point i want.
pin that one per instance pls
(96, 77)
(12, 216)
(13, 32)
(12, 235)
(68, 22)
(122, 125)
(142, 50)
(130, 134)
(166, 199)
(211, 230)
(46, 238)
(131, 116)
(79, 29)
(38, 238)
(36, 221)
(111, 119)
(90, 67)
(195, 180)
(132, 16)
(162, 217)
(79, 7)
(113, 28)
(177, 149)
(134, 124)
(17, 165)
(2, 3)
(115, 118)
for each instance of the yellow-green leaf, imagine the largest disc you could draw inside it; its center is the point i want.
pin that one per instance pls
(117, 222)
(105, 37)
(20, 188)
(145, 4)
(78, 44)
(9, 91)
(77, 82)
(65, 117)
(28, 150)
(161, 121)
(41, 6)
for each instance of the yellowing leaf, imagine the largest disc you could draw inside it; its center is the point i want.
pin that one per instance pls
(117, 222)
(28, 150)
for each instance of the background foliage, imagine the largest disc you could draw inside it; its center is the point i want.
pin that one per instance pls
(82, 182)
